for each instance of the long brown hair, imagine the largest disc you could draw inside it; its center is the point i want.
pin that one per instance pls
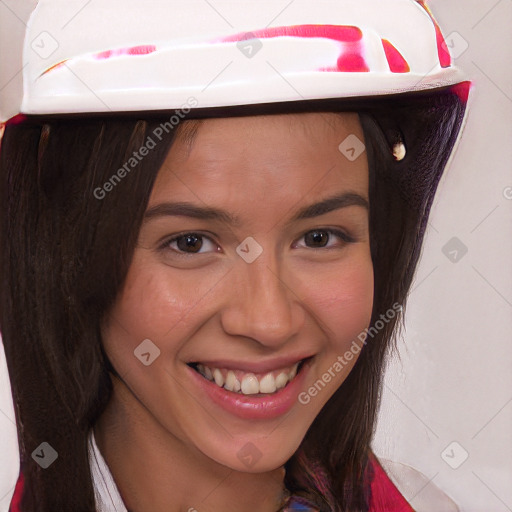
(65, 253)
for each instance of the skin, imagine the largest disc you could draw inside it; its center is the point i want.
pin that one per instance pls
(167, 446)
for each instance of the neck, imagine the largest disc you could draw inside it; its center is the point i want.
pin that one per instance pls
(155, 470)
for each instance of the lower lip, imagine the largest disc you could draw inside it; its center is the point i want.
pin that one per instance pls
(252, 407)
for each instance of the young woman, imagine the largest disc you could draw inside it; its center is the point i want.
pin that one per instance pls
(202, 278)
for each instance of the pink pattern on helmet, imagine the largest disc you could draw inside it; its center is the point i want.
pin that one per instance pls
(133, 50)
(341, 33)
(445, 59)
(351, 58)
(396, 61)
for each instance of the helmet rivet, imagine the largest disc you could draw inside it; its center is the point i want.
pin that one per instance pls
(399, 151)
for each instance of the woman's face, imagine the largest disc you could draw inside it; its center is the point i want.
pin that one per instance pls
(253, 260)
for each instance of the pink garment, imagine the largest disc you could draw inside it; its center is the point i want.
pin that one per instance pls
(385, 497)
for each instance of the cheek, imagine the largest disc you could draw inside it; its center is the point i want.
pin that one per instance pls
(342, 300)
(151, 305)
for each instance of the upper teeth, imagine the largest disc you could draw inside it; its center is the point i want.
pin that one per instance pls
(249, 383)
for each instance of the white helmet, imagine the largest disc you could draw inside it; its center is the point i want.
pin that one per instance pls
(128, 55)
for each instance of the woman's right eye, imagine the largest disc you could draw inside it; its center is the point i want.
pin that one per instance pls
(190, 243)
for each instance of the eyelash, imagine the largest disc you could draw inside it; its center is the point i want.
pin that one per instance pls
(340, 234)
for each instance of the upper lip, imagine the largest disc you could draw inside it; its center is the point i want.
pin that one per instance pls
(252, 366)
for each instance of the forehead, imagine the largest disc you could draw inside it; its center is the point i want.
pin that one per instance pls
(313, 124)
(285, 157)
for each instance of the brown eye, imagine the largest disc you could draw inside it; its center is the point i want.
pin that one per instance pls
(190, 243)
(316, 238)
(326, 238)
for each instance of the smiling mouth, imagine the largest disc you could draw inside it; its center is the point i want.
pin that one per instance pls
(247, 383)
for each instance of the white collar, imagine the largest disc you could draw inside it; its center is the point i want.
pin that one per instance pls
(106, 493)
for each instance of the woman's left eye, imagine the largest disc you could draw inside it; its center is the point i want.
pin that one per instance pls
(320, 238)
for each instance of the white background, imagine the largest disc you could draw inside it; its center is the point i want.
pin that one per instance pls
(453, 380)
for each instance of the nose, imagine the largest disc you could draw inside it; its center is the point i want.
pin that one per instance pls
(262, 306)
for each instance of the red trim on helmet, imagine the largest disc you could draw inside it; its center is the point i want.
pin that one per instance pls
(134, 50)
(350, 58)
(341, 33)
(462, 90)
(396, 61)
(445, 59)
(352, 62)
(17, 119)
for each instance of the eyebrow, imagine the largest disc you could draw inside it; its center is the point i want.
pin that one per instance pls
(183, 209)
